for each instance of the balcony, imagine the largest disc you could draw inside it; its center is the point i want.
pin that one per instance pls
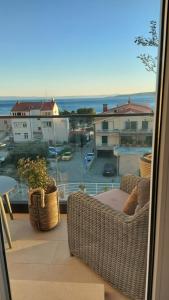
(39, 259)
(123, 131)
(44, 257)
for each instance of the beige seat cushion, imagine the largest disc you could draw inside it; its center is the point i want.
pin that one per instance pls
(143, 193)
(114, 198)
(131, 202)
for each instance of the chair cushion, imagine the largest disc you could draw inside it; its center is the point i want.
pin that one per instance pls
(131, 202)
(114, 198)
(143, 193)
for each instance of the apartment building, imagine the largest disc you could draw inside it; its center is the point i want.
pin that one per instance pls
(51, 130)
(123, 130)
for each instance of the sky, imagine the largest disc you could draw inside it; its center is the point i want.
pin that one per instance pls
(74, 47)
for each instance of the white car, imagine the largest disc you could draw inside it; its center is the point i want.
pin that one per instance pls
(66, 156)
(90, 156)
(2, 145)
(2, 159)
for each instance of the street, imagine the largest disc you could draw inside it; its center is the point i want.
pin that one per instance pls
(75, 170)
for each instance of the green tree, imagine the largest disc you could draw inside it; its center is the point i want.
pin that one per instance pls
(87, 111)
(152, 40)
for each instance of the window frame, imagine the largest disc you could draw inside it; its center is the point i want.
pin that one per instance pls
(106, 138)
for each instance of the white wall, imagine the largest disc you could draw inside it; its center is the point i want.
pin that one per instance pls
(129, 164)
(61, 130)
(58, 132)
(119, 122)
(19, 127)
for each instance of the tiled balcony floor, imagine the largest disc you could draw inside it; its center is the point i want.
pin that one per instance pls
(44, 256)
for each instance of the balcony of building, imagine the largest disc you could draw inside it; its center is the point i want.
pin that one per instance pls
(124, 131)
(42, 261)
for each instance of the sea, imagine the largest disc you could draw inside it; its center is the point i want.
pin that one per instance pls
(73, 103)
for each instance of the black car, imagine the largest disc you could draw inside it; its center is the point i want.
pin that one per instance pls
(109, 170)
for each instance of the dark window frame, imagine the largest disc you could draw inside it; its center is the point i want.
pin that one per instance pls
(104, 137)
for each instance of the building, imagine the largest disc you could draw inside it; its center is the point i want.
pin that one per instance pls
(123, 130)
(48, 129)
(5, 128)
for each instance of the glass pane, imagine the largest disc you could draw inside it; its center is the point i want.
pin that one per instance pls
(87, 149)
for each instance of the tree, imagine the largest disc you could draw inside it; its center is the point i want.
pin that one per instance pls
(86, 111)
(148, 60)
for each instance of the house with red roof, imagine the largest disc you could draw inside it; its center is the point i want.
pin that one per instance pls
(130, 124)
(42, 126)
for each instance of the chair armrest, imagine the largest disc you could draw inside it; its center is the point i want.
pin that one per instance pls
(128, 182)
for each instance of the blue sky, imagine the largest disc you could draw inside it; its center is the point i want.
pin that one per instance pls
(74, 47)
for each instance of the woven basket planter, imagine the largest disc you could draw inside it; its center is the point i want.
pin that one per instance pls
(44, 209)
(145, 165)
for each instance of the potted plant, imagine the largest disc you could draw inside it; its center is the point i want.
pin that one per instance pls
(82, 187)
(43, 197)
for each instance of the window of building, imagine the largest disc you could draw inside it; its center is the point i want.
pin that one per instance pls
(25, 136)
(47, 113)
(148, 140)
(24, 125)
(105, 125)
(127, 125)
(18, 114)
(144, 124)
(49, 124)
(39, 128)
(133, 124)
(104, 139)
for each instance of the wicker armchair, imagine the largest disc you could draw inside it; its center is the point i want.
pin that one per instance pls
(112, 243)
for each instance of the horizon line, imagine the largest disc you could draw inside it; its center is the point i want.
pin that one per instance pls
(81, 96)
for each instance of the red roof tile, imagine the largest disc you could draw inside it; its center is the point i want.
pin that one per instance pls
(27, 106)
(130, 107)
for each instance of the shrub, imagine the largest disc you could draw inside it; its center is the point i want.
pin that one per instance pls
(34, 173)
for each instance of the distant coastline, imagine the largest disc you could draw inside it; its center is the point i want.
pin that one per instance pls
(17, 98)
(73, 103)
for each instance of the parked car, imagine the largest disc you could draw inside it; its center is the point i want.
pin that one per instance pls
(2, 145)
(109, 170)
(52, 152)
(90, 156)
(2, 159)
(66, 156)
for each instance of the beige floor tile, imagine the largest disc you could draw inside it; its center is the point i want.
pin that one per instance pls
(44, 256)
(32, 251)
(62, 254)
(21, 229)
(78, 273)
(56, 290)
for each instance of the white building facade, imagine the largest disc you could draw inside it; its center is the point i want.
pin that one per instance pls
(48, 129)
(124, 130)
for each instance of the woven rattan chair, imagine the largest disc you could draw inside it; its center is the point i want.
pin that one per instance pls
(112, 243)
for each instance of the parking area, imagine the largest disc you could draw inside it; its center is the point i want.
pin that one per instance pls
(76, 169)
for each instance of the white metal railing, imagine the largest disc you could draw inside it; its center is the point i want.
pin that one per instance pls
(93, 188)
(64, 190)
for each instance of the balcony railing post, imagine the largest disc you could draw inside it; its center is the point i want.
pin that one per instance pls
(64, 191)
